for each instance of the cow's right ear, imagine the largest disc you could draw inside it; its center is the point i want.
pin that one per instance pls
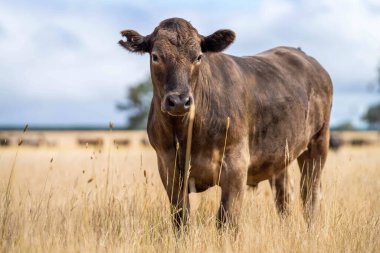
(135, 42)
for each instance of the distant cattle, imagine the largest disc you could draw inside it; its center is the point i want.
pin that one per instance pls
(360, 142)
(278, 103)
(122, 142)
(336, 142)
(96, 142)
(5, 141)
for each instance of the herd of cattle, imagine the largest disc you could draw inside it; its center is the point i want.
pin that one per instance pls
(336, 142)
(41, 141)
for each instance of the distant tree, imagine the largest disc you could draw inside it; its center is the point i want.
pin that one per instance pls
(372, 116)
(137, 104)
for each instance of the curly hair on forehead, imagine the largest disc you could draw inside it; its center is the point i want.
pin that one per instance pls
(178, 31)
(176, 24)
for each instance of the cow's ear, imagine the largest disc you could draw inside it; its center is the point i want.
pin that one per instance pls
(218, 41)
(134, 42)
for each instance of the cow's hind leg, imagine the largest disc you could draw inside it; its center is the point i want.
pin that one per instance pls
(282, 188)
(311, 163)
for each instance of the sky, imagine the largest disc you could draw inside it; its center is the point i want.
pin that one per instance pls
(60, 64)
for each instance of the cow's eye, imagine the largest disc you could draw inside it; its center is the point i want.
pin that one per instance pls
(154, 58)
(198, 59)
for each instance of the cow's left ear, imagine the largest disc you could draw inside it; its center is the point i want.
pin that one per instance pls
(218, 41)
(135, 42)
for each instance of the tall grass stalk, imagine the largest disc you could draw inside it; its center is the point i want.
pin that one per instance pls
(224, 149)
(174, 170)
(108, 162)
(187, 160)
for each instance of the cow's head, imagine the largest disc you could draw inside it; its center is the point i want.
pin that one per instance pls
(176, 49)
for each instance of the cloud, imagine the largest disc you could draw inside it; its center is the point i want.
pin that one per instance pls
(50, 37)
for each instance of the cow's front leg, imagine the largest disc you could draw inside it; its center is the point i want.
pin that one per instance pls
(233, 182)
(173, 180)
(180, 214)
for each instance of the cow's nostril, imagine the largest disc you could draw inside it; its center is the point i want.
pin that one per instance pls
(171, 103)
(188, 102)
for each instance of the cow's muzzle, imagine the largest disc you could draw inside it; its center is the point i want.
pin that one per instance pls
(176, 104)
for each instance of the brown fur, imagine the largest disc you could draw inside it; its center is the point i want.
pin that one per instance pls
(279, 103)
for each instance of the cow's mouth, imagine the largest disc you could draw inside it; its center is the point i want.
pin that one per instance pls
(174, 113)
(177, 114)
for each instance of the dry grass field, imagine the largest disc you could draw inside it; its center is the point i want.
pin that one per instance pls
(66, 197)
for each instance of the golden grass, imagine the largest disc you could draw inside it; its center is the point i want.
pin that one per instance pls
(58, 202)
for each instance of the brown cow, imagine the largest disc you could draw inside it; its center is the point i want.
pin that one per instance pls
(279, 103)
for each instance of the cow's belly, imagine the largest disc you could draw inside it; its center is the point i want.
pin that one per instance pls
(267, 162)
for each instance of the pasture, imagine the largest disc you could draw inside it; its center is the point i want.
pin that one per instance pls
(100, 191)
